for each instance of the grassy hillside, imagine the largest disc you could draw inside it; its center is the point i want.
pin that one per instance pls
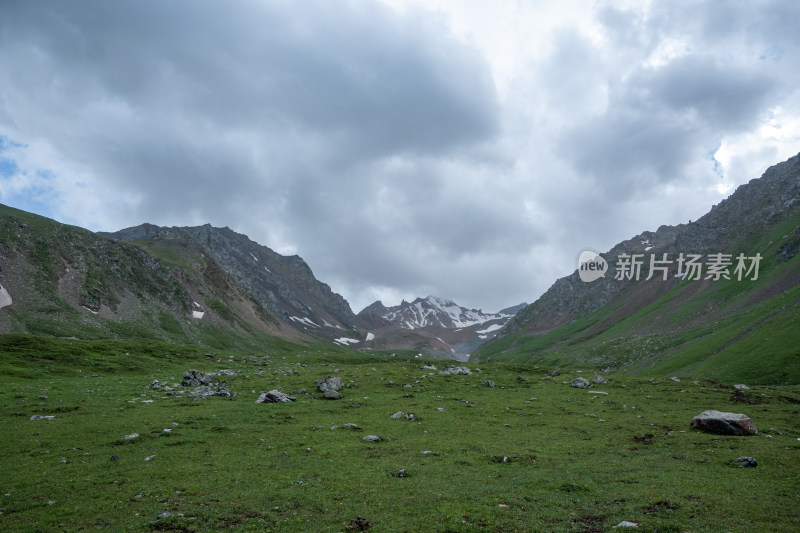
(727, 330)
(528, 454)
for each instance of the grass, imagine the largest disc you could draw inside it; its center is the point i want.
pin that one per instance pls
(525, 455)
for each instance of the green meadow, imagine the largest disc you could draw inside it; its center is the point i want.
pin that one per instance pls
(528, 454)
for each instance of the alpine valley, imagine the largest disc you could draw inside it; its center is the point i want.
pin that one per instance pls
(217, 288)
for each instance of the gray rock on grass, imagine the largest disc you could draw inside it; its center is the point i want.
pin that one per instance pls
(581, 383)
(329, 383)
(456, 370)
(724, 423)
(274, 396)
(745, 462)
(195, 378)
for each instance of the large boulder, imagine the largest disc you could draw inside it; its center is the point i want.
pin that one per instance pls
(724, 423)
(329, 383)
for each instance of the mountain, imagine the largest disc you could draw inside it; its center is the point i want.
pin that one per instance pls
(712, 326)
(431, 311)
(450, 329)
(201, 285)
(283, 285)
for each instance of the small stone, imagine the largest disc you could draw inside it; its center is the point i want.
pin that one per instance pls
(675, 379)
(488, 383)
(741, 386)
(600, 380)
(115, 457)
(131, 436)
(274, 396)
(626, 523)
(745, 462)
(42, 417)
(372, 438)
(358, 524)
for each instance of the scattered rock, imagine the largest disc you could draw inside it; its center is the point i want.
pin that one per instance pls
(626, 523)
(596, 392)
(553, 374)
(488, 383)
(581, 383)
(401, 473)
(428, 367)
(354, 427)
(131, 436)
(675, 379)
(745, 462)
(42, 417)
(372, 438)
(330, 394)
(455, 370)
(398, 414)
(115, 457)
(724, 423)
(600, 380)
(329, 383)
(741, 386)
(193, 378)
(205, 391)
(358, 524)
(274, 396)
(522, 378)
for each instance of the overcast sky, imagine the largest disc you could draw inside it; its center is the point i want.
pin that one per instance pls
(403, 148)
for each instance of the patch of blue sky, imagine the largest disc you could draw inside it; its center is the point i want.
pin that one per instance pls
(35, 197)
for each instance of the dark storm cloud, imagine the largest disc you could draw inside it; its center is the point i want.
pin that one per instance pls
(177, 76)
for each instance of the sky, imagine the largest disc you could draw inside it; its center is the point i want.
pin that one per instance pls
(403, 148)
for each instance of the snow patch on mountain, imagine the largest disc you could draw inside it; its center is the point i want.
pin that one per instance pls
(305, 320)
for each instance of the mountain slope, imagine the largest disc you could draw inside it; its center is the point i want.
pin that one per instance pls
(67, 281)
(724, 329)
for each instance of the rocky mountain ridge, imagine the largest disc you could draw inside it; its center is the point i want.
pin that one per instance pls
(451, 330)
(283, 285)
